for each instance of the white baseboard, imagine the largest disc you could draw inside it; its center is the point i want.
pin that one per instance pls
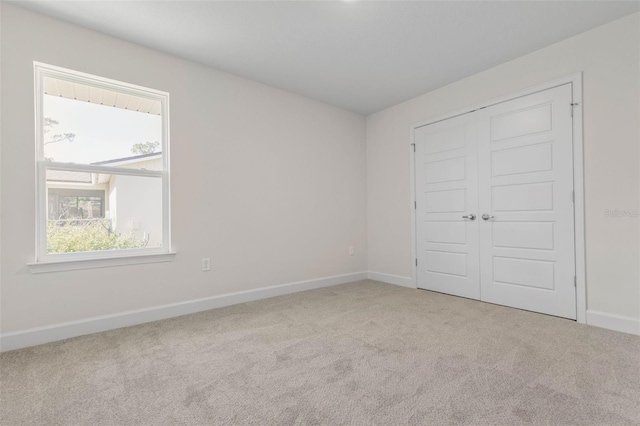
(52, 333)
(392, 279)
(614, 322)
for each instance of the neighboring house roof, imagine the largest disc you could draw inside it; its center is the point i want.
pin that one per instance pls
(65, 176)
(125, 160)
(68, 176)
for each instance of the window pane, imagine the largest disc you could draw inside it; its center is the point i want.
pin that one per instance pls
(115, 212)
(65, 204)
(89, 125)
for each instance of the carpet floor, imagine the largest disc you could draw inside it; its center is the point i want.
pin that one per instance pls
(361, 353)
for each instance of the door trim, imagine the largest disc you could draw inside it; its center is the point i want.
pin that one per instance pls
(578, 177)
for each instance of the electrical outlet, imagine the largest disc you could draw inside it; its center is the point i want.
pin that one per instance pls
(206, 264)
(351, 251)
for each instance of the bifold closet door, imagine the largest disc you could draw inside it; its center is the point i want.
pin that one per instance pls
(526, 203)
(446, 206)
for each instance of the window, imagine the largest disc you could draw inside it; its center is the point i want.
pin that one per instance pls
(102, 168)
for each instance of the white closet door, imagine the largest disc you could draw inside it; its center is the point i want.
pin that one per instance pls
(526, 186)
(446, 191)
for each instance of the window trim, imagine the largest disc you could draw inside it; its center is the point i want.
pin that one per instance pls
(56, 261)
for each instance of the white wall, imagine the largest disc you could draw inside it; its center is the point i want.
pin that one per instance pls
(609, 57)
(139, 203)
(139, 207)
(269, 184)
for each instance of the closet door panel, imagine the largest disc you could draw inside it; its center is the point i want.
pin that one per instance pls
(526, 194)
(446, 190)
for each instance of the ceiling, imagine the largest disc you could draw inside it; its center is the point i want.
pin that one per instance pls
(362, 56)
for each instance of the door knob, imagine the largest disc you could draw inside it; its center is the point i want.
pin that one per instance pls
(487, 216)
(470, 216)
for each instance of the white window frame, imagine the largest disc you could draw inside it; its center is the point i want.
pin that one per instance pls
(45, 262)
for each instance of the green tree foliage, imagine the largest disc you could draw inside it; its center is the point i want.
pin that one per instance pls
(145, 147)
(94, 235)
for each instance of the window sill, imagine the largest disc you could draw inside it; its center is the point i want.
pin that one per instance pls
(73, 264)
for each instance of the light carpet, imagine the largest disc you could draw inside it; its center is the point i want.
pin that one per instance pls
(361, 353)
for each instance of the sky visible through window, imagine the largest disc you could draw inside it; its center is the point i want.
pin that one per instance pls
(101, 132)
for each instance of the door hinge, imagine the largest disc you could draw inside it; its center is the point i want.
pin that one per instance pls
(575, 281)
(415, 205)
(416, 261)
(573, 105)
(414, 147)
(573, 196)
